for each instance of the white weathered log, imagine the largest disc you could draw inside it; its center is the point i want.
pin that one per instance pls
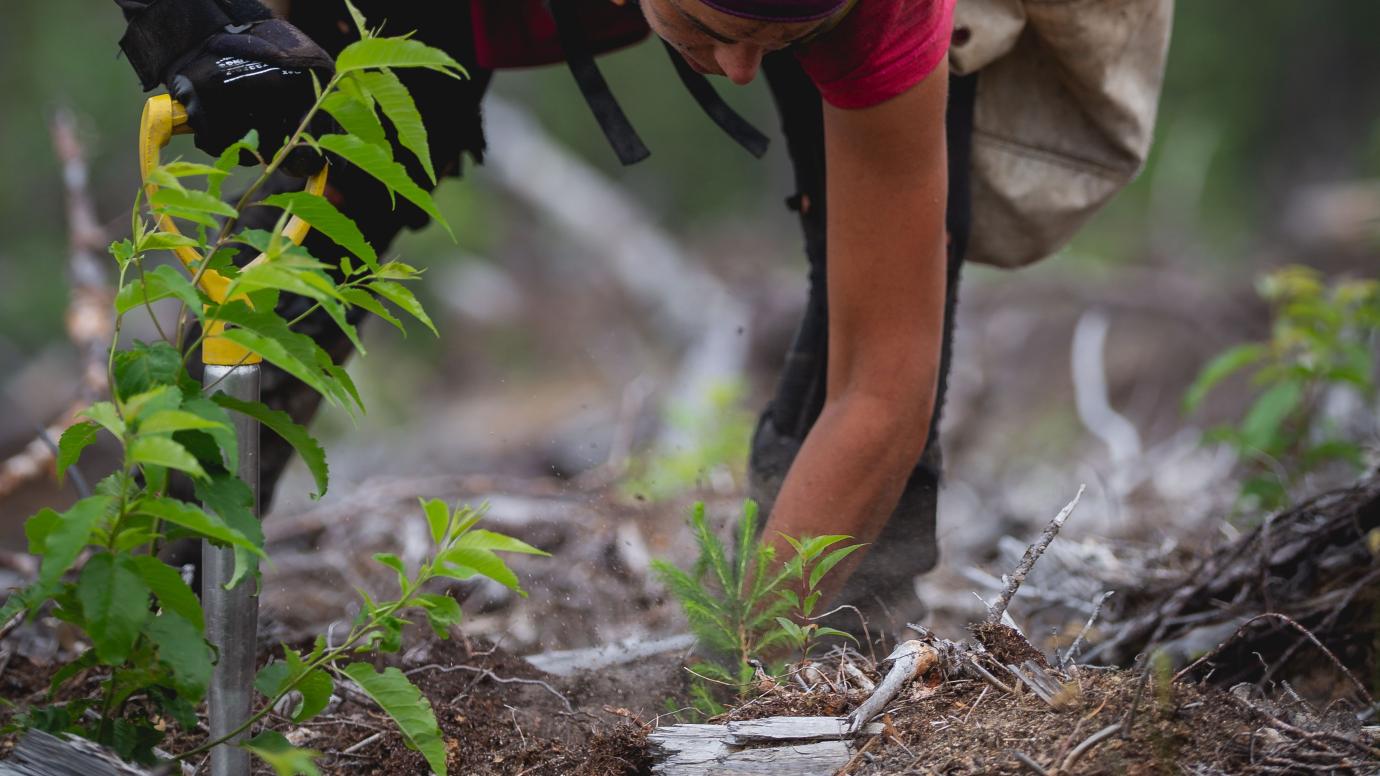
(908, 660)
(823, 757)
(42, 754)
(804, 745)
(752, 731)
(688, 748)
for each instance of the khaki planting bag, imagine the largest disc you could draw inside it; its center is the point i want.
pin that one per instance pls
(1065, 110)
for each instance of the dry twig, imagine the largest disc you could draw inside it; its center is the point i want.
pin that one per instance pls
(1087, 745)
(1032, 554)
(1292, 624)
(1072, 653)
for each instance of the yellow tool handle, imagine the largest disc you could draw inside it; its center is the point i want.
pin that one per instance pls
(164, 117)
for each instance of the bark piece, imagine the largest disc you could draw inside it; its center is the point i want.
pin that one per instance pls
(42, 754)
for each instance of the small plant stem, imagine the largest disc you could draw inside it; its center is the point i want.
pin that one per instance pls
(326, 659)
(139, 263)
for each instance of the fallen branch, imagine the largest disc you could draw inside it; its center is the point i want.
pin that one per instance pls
(909, 660)
(1292, 624)
(1087, 745)
(1032, 554)
(1072, 652)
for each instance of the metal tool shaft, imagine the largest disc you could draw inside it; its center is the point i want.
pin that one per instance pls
(232, 616)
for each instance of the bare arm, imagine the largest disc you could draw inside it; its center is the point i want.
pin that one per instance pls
(887, 187)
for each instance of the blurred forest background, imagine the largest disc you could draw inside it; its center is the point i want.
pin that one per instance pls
(1268, 152)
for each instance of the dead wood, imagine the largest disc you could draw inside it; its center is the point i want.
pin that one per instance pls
(1032, 554)
(42, 754)
(1312, 565)
(909, 660)
(773, 745)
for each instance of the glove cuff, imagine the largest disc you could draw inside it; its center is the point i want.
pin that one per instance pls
(167, 29)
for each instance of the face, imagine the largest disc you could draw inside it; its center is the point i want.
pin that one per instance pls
(717, 43)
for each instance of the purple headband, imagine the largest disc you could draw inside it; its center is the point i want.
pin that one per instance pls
(777, 10)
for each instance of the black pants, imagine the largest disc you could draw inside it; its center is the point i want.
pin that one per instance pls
(451, 110)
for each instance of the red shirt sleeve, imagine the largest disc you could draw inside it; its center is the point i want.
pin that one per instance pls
(881, 49)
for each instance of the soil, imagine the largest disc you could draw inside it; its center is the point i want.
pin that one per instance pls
(500, 715)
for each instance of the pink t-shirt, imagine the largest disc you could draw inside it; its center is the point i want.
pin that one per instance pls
(881, 49)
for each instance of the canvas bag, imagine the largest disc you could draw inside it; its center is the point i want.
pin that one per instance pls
(1065, 110)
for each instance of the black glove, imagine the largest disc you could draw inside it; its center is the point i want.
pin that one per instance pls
(231, 74)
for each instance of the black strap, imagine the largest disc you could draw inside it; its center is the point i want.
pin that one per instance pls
(729, 120)
(624, 139)
(958, 123)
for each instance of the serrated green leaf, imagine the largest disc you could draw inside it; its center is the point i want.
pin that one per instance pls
(359, 20)
(171, 421)
(173, 594)
(411, 710)
(162, 451)
(374, 161)
(122, 251)
(819, 632)
(232, 500)
(194, 519)
(316, 688)
(365, 301)
(1218, 369)
(184, 169)
(183, 650)
(144, 367)
(75, 438)
(403, 297)
(1263, 421)
(442, 612)
(830, 561)
(393, 562)
(37, 528)
(67, 537)
(162, 282)
(437, 517)
(282, 424)
(105, 414)
(114, 604)
(395, 52)
(157, 399)
(463, 563)
(303, 282)
(326, 219)
(199, 207)
(357, 117)
(398, 106)
(165, 241)
(223, 432)
(480, 539)
(293, 352)
(284, 758)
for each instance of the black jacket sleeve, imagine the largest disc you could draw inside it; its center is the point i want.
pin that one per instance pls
(159, 32)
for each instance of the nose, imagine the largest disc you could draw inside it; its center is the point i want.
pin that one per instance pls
(739, 62)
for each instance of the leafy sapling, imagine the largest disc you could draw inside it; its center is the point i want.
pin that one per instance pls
(1320, 356)
(144, 624)
(810, 559)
